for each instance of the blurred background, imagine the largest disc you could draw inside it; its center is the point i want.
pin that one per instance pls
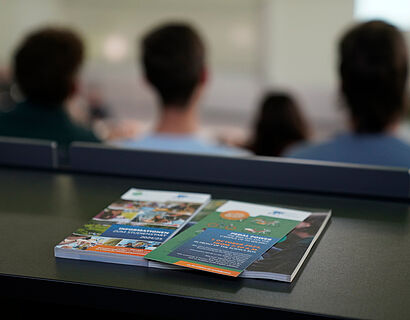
(253, 46)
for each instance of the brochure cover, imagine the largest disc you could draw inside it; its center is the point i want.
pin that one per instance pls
(283, 261)
(230, 238)
(132, 226)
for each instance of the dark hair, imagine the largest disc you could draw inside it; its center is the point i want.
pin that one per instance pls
(278, 125)
(173, 57)
(46, 62)
(373, 72)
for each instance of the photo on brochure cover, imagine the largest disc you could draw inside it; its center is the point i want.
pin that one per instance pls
(86, 242)
(285, 255)
(116, 216)
(167, 214)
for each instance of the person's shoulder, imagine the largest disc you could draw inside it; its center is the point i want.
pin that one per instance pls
(377, 149)
(5, 123)
(14, 122)
(4, 117)
(7, 115)
(399, 145)
(213, 147)
(137, 142)
(401, 142)
(311, 150)
(227, 150)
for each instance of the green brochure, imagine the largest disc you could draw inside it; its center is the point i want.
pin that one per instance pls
(230, 238)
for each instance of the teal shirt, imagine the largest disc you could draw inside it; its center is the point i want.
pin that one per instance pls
(29, 120)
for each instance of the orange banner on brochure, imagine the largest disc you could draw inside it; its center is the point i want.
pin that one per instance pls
(119, 250)
(207, 268)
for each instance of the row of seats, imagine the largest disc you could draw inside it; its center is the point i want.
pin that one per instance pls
(260, 172)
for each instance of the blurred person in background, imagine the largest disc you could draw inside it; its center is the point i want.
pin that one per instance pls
(279, 125)
(373, 75)
(174, 65)
(46, 66)
(7, 101)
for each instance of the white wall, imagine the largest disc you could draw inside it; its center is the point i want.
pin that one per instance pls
(17, 17)
(301, 55)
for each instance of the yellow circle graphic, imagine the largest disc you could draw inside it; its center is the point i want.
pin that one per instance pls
(234, 215)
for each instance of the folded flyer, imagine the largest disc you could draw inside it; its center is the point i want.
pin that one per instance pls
(230, 238)
(283, 261)
(134, 225)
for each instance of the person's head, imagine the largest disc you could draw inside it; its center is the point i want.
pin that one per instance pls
(279, 124)
(373, 74)
(173, 59)
(46, 64)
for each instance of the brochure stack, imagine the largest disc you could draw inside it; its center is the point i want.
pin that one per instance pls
(179, 230)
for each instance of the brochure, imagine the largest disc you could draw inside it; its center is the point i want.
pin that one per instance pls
(134, 225)
(230, 238)
(283, 261)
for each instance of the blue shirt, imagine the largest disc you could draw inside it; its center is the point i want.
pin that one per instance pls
(373, 149)
(180, 143)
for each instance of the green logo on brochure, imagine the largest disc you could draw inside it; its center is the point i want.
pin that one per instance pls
(137, 193)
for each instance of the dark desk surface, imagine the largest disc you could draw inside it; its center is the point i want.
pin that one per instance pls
(360, 268)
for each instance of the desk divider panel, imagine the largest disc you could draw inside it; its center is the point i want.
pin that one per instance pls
(28, 152)
(261, 172)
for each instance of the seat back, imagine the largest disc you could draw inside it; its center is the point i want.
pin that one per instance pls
(28, 152)
(259, 172)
